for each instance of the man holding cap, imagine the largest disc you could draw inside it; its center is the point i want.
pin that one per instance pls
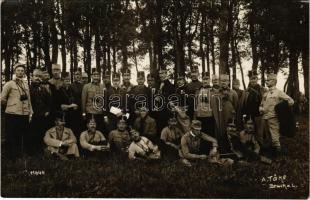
(196, 145)
(271, 98)
(15, 97)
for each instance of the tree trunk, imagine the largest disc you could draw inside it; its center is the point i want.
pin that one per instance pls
(46, 49)
(240, 65)
(212, 45)
(62, 34)
(293, 81)
(305, 67)
(253, 39)
(224, 37)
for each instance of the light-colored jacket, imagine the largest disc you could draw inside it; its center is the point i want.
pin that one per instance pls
(270, 99)
(53, 143)
(11, 97)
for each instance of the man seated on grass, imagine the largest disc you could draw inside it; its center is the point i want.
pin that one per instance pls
(119, 138)
(93, 142)
(171, 136)
(142, 148)
(196, 145)
(145, 124)
(244, 143)
(60, 141)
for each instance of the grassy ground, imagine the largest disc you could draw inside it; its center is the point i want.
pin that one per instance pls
(116, 178)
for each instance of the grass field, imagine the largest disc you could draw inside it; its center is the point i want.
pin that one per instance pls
(116, 178)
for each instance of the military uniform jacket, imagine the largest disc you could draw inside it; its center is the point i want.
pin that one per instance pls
(252, 100)
(149, 126)
(40, 99)
(93, 93)
(190, 144)
(182, 92)
(222, 109)
(119, 140)
(77, 92)
(88, 140)
(140, 91)
(115, 97)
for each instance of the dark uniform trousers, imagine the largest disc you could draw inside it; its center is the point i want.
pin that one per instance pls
(16, 129)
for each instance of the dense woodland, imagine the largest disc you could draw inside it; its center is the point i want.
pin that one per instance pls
(214, 34)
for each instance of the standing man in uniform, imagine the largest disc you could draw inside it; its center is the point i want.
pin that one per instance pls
(223, 103)
(84, 78)
(240, 105)
(166, 88)
(16, 99)
(193, 87)
(252, 101)
(127, 86)
(77, 88)
(203, 112)
(140, 97)
(93, 101)
(270, 99)
(151, 85)
(107, 79)
(181, 90)
(56, 83)
(115, 98)
(41, 104)
(56, 79)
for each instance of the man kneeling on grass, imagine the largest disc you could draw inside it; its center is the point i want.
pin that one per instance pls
(195, 145)
(93, 142)
(60, 141)
(142, 148)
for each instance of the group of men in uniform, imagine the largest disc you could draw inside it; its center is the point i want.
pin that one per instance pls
(194, 121)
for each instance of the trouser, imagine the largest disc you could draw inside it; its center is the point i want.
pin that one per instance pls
(16, 128)
(259, 129)
(72, 149)
(274, 130)
(34, 141)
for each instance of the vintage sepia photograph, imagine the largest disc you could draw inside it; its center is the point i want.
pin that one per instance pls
(172, 99)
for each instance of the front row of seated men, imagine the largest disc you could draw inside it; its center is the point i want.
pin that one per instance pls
(192, 146)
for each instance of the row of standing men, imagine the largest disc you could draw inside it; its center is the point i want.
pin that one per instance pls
(217, 106)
